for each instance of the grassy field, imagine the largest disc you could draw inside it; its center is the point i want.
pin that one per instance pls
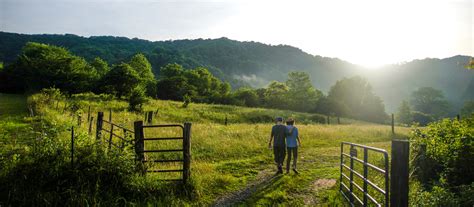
(231, 164)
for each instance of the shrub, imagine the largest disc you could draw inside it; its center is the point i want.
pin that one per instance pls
(422, 118)
(137, 99)
(444, 155)
(318, 118)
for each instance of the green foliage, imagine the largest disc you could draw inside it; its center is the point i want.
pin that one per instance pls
(468, 108)
(121, 80)
(246, 97)
(356, 99)
(199, 84)
(404, 115)
(444, 153)
(137, 99)
(186, 101)
(422, 118)
(100, 66)
(429, 101)
(301, 94)
(276, 95)
(43, 66)
(140, 63)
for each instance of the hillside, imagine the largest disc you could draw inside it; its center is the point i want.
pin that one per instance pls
(255, 64)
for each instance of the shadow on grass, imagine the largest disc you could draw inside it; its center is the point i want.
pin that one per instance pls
(263, 184)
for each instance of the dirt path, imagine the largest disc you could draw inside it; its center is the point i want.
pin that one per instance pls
(264, 178)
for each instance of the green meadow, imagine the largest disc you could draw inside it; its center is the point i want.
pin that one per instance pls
(231, 164)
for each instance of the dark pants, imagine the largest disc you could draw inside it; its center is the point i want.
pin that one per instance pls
(279, 153)
(292, 151)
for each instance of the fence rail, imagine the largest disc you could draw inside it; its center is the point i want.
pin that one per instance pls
(111, 132)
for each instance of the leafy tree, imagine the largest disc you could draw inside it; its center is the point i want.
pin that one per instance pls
(301, 94)
(404, 115)
(331, 107)
(275, 95)
(468, 108)
(147, 79)
(44, 66)
(429, 101)
(100, 66)
(199, 84)
(247, 97)
(140, 63)
(355, 94)
(121, 80)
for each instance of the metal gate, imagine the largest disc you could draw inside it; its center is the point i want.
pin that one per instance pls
(366, 179)
(141, 150)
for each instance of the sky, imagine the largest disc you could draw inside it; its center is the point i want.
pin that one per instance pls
(365, 32)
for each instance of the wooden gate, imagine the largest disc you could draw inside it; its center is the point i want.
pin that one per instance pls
(141, 150)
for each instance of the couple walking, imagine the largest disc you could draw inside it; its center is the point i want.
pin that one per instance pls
(285, 138)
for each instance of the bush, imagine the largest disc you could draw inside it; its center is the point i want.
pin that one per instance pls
(444, 155)
(318, 118)
(422, 118)
(137, 99)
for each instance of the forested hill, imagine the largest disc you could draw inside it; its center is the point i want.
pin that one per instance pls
(256, 64)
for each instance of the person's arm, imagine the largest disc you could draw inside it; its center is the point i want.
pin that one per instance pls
(270, 141)
(298, 137)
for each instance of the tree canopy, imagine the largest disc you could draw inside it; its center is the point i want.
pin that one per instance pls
(429, 101)
(356, 99)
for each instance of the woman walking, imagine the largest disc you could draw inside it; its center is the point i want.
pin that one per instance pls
(292, 143)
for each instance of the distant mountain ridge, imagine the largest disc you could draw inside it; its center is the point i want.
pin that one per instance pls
(256, 63)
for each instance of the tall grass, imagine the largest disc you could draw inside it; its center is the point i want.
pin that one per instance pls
(225, 158)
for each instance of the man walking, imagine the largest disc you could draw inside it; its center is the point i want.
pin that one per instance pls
(279, 132)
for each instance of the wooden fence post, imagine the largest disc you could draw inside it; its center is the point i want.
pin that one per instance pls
(150, 117)
(110, 115)
(328, 120)
(186, 152)
(89, 114)
(338, 120)
(458, 117)
(139, 142)
(399, 173)
(225, 121)
(111, 135)
(90, 125)
(72, 147)
(79, 120)
(393, 124)
(98, 129)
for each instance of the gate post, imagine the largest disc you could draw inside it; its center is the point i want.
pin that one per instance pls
(186, 151)
(139, 142)
(399, 173)
(100, 117)
(150, 117)
(393, 124)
